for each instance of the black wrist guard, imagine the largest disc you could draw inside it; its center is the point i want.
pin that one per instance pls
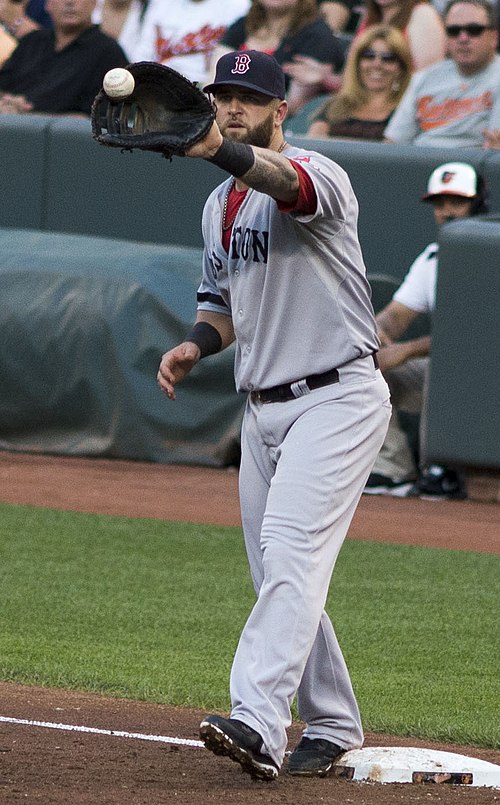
(206, 337)
(235, 158)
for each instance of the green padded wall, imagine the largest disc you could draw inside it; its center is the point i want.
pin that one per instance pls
(55, 177)
(97, 190)
(464, 390)
(118, 209)
(23, 165)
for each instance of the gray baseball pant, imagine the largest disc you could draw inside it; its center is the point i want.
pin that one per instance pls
(303, 468)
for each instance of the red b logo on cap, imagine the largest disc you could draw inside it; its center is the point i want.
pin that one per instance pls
(242, 64)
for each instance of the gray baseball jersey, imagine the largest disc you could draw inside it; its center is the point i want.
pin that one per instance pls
(294, 285)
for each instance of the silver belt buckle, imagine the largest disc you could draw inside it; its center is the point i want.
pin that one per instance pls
(300, 388)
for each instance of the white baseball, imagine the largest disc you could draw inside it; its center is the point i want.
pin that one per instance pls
(118, 83)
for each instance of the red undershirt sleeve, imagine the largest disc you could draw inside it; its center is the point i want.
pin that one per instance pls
(306, 202)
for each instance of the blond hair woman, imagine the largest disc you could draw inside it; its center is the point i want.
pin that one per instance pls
(377, 72)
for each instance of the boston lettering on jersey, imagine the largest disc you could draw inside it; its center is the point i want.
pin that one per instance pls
(215, 264)
(249, 244)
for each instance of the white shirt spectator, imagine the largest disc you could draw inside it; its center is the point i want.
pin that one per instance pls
(183, 33)
(131, 31)
(418, 289)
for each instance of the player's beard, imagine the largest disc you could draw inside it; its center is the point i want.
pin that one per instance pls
(260, 135)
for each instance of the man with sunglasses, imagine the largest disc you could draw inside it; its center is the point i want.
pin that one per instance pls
(456, 102)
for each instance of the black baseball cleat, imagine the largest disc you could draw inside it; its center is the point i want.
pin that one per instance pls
(438, 483)
(236, 740)
(313, 757)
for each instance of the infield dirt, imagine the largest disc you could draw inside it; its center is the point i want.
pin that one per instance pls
(40, 765)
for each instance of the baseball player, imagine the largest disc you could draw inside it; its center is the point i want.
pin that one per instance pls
(455, 191)
(283, 276)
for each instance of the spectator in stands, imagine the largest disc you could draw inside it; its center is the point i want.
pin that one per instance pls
(285, 29)
(377, 73)
(343, 16)
(455, 191)
(121, 19)
(59, 71)
(18, 18)
(183, 33)
(418, 20)
(454, 102)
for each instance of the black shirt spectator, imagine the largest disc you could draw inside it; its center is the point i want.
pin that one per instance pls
(290, 32)
(59, 71)
(314, 39)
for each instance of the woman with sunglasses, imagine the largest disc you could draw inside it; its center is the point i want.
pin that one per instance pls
(376, 75)
(419, 21)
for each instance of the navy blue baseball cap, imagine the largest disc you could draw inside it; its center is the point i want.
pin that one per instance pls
(251, 69)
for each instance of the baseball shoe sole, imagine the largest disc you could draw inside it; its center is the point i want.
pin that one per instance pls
(237, 741)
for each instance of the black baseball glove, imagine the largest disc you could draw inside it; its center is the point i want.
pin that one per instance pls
(165, 113)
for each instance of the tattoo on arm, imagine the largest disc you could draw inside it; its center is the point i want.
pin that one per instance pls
(273, 174)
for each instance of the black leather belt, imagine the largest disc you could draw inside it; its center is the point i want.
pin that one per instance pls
(285, 392)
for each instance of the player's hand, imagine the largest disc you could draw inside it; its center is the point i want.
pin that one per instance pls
(175, 365)
(208, 146)
(393, 355)
(384, 338)
(399, 352)
(14, 104)
(310, 72)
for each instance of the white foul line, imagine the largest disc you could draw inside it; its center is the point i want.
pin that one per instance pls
(114, 733)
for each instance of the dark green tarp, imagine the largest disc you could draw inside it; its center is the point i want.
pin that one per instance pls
(83, 323)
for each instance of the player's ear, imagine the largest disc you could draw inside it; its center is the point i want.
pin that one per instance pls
(281, 112)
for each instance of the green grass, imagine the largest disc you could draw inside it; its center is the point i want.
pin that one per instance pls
(152, 610)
